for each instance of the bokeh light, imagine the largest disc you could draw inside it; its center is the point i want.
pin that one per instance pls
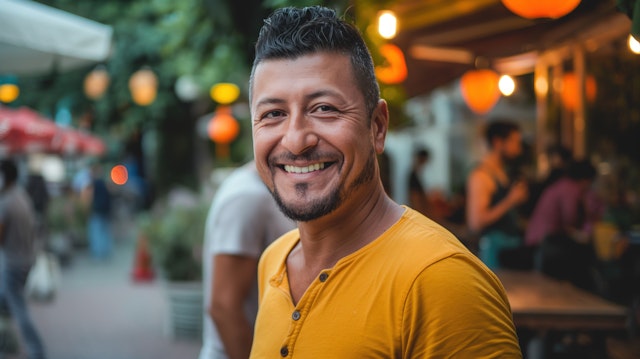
(507, 85)
(119, 175)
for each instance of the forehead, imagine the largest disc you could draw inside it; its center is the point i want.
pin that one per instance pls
(321, 67)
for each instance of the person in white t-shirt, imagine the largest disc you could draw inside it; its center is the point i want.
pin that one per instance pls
(242, 221)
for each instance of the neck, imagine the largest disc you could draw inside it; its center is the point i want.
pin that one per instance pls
(326, 240)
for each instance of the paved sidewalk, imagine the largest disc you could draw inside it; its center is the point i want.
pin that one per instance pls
(100, 313)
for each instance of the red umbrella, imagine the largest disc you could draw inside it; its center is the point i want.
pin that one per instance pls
(91, 145)
(24, 130)
(67, 141)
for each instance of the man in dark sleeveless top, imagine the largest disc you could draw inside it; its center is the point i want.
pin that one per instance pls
(493, 196)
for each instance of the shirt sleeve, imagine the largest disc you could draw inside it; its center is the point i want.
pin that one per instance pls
(239, 229)
(457, 308)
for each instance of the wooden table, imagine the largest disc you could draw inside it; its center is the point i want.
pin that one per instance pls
(542, 303)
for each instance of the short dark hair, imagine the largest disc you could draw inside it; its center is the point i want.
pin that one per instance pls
(581, 170)
(9, 170)
(291, 32)
(500, 129)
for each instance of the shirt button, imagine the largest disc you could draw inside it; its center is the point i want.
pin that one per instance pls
(284, 351)
(323, 277)
(295, 315)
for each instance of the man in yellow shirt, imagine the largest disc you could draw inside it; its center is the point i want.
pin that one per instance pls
(362, 277)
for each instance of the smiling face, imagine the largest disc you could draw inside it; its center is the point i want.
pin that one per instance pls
(314, 140)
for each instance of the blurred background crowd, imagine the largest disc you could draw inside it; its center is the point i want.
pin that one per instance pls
(143, 112)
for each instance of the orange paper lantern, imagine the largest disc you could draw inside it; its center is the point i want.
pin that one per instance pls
(396, 69)
(223, 128)
(96, 83)
(541, 8)
(480, 90)
(571, 91)
(144, 87)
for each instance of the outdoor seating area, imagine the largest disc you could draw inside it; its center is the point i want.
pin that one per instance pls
(512, 124)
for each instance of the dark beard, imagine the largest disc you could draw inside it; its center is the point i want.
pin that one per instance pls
(324, 206)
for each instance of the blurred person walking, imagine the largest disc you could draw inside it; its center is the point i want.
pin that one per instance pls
(242, 221)
(493, 195)
(99, 227)
(18, 247)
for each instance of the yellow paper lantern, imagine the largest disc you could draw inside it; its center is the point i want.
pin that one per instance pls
(96, 83)
(143, 85)
(396, 69)
(224, 93)
(530, 9)
(571, 91)
(9, 92)
(480, 90)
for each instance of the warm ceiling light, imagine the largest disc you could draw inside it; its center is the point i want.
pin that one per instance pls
(571, 90)
(541, 8)
(507, 85)
(634, 45)
(387, 24)
(541, 86)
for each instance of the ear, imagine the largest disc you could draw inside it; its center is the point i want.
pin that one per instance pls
(380, 125)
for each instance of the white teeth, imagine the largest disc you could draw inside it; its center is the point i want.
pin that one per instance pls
(311, 168)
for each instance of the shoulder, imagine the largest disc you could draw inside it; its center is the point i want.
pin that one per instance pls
(414, 243)
(462, 296)
(277, 252)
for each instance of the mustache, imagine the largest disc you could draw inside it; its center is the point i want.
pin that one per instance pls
(309, 156)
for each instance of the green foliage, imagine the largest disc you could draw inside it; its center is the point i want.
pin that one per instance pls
(175, 234)
(66, 214)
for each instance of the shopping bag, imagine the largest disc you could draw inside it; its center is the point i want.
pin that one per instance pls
(44, 278)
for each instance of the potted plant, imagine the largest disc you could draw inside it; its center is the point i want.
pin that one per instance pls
(175, 234)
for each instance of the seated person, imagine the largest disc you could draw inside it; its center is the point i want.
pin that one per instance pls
(562, 223)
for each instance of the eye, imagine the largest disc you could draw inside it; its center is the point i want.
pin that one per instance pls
(325, 108)
(273, 114)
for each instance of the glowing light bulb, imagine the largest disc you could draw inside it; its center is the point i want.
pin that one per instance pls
(507, 85)
(387, 24)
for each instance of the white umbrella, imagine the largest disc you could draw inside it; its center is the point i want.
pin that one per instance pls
(36, 39)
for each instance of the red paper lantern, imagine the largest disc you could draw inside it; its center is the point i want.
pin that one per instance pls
(571, 91)
(223, 128)
(541, 8)
(480, 90)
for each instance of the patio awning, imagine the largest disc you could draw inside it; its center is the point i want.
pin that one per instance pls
(442, 39)
(37, 39)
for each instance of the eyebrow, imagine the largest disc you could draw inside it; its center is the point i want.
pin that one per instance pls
(269, 101)
(311, 96)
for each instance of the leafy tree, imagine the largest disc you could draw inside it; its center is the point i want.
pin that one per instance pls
(209, 41)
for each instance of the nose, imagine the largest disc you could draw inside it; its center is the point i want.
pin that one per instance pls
(300, 135)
